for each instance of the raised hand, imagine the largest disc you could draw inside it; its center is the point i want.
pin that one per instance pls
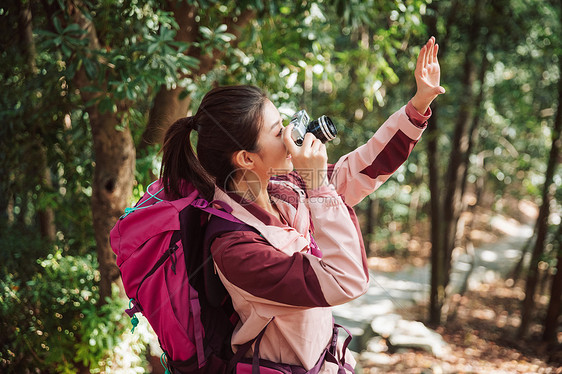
(428, 75)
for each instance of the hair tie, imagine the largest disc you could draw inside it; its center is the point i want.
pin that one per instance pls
(190, 123)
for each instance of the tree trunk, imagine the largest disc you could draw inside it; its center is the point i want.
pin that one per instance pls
(452, 206)
(168, 106)
(437, 290)
(111, 190)
(517, 270)
(113, 173)
(472, 132)
(46, 215)
(438, 266)
(542, 220)
(26, 35)
(372, 211)
(554, 310)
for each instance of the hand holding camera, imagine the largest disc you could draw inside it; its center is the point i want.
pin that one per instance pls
(310, 159)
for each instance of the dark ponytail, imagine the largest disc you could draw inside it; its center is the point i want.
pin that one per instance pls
(228, 120)
(180, 163)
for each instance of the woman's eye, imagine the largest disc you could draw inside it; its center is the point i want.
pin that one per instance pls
(280, 131)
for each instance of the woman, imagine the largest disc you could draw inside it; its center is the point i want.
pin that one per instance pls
(306, 253)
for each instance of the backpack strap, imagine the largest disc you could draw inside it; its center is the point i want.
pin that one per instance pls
(217, 225)
(246, 347)
(209, 297)
(209, 208)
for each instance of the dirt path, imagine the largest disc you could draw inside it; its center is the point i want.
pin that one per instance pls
(478, 338)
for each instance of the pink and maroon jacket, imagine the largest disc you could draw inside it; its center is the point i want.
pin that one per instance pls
(280, 273)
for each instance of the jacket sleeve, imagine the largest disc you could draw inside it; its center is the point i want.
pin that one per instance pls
(360, 172)
(250, 263)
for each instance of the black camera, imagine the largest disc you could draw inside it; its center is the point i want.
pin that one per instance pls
(323, 128)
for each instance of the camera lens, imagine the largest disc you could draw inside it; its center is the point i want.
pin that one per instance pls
(323, 128)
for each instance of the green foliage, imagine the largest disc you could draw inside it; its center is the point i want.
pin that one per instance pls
(519, 87)
(54, 318)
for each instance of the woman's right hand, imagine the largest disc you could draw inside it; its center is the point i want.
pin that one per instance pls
(428, 75)
(310, 159)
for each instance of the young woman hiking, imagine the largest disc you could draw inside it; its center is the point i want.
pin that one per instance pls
(306, 253)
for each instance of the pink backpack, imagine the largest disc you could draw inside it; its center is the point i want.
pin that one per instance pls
(163, 253)
(167, 271)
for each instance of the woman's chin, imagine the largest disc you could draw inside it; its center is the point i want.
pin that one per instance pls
(289, 166)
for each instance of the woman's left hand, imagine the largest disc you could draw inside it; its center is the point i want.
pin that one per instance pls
(428, 75)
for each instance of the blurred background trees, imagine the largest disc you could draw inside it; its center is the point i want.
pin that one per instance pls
(89, 88)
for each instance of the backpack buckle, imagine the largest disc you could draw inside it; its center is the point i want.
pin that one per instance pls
(200, 203)
(134, 307)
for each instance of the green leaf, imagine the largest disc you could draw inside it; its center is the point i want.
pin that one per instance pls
(226, 37)
(189, 61)
(105, 105)
(56, 23)
(73, 28)
(91, 68)
(207, 33)
(71, 70)
(152, 48)
(130, 94)
(183, 94)
(45, 33)
(67, 52)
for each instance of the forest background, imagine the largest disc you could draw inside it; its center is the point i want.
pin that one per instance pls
(89, 87)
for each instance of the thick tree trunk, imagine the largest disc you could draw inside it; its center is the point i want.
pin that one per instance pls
(168, 106)
(113, 182)
(554, 308)
(542, 220)
(113, 173)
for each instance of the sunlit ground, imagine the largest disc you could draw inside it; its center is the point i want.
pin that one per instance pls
(480, 338)
(484, 321)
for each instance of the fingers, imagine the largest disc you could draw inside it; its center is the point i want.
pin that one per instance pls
(316, 146)
(307, 141)
(421, 59)
(287, 140)
(429, 54)
(310, 144)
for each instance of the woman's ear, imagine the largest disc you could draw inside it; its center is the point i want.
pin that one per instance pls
(243, 160)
